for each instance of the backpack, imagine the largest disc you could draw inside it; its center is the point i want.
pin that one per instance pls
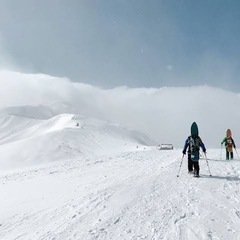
(194, 146)
(229, 142)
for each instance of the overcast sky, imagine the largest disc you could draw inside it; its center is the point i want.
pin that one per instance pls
(138, 43)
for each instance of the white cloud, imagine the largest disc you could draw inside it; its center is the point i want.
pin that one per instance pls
(165, 114)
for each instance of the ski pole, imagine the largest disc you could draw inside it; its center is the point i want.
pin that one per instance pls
(221, 151)
(180, 165)
(237, 154)
(208, 165)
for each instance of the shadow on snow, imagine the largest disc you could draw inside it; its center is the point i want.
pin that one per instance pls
(228, 178)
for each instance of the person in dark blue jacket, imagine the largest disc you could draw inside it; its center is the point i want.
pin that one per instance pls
(192, 145)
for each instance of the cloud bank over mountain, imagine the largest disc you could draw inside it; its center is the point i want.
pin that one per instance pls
(164, 114)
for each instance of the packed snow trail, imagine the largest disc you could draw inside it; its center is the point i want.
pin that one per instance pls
(132, 195)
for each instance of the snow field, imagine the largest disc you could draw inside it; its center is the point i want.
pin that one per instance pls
(72, 177)
(130, 195)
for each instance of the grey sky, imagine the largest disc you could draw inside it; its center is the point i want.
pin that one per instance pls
(138, 43)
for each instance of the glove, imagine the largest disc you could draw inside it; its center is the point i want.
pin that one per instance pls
(184, 152)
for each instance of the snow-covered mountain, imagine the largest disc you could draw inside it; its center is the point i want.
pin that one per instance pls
(67, 176)
(34, 135)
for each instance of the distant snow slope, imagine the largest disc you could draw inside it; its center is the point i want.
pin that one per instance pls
(30, 136)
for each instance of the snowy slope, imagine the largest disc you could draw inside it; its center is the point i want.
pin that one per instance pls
(71, 177)
(28, 137)
(131, 195)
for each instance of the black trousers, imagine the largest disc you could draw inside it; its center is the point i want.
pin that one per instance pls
(193, 165)
(229, 153)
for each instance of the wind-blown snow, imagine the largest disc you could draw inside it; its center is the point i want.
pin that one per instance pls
(164, 114)
(71, 177)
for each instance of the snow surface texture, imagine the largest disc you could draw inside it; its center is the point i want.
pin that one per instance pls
(71, 177)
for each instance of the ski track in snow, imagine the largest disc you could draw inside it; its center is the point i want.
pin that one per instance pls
(132, 195)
